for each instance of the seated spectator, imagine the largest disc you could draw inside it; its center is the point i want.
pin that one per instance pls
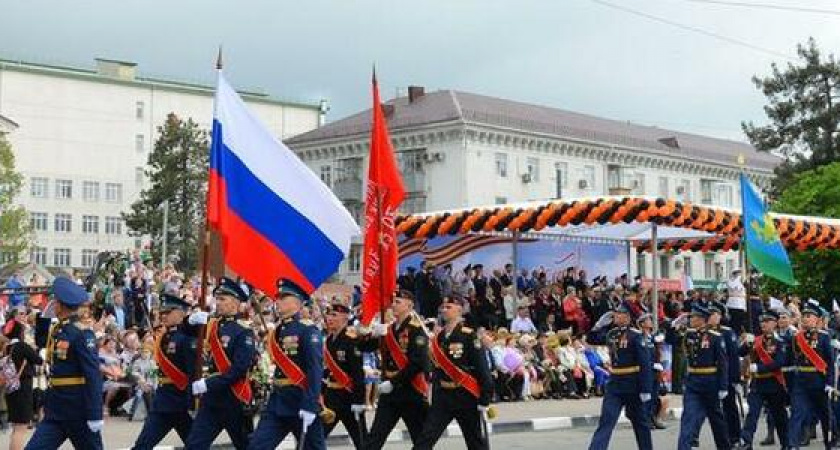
(522, 323)
(112, 370)
(142, 372)
(572, 368)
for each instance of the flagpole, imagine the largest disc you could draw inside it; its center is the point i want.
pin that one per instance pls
(745, 266)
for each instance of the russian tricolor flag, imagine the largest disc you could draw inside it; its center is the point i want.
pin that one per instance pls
(274, 215)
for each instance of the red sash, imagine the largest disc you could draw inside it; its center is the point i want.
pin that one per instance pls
(810, 353)
(241, 388)
(282, 360)
(419, 381)
(454, 372)
(766, 360)
(178, 377)
(340, 376)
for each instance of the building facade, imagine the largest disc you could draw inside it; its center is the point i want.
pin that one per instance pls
(84, 139)
(458, 149)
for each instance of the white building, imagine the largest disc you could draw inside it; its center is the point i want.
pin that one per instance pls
(458, 149)
(84, 139)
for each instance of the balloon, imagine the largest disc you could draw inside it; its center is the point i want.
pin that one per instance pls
(513, 360)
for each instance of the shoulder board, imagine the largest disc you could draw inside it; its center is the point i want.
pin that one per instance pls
(725, 328)
(351, 332)
(307, 322)
(467, 330)
(635, 331)
(714, 333)
(690, 330)
(416, 322)
(244, 323)
(824, 332)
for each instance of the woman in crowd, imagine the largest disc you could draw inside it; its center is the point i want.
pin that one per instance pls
(25, 358)
(111, 367)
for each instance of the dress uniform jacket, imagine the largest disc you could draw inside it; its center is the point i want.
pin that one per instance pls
(630, 358)
(238, 344)
(178, 344)
(708, 364)
(463, 348)
(344, 349)
(301, 342)
(806, 376)
(75, 380)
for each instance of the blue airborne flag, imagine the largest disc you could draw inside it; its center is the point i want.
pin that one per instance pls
(764, 248)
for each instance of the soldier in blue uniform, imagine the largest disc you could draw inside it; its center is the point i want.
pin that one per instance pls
(73, 401)
(226, 390)
(812, 376)
(734, 388)
(653, 341)
(296, 348)
(630, 385)
(706, 380)
(175, 355)
(768, 354)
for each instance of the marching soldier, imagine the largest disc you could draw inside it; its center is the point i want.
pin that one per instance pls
(296, 349)
(405, 360)
(462, 382)
(73, 401)
(730, 403)
(653, 342)
(175, 356)
(226, 390)
(706, 380)
(344, 391)
(630, 385)
(768, 353)
(810, 354)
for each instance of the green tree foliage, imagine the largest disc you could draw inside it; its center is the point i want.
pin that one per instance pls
(15, 233)
(803, 113)
(814, 192)
(177, 172)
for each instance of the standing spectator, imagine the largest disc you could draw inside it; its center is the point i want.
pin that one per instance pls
(573, 315)
(406, 281)
(20, 402)
(736, 302)
(117, 309)
(16, 298)
(138, 302)
(428, 291)
(580, 283)
(509, 301)
(448, 281)
(522, 323)
(497, 297)
(485, 307)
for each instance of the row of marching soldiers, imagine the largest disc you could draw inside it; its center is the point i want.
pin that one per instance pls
(317, 381)
(784, 368)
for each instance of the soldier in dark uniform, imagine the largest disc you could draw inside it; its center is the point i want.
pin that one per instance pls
(226, 389)
(768, 354)
(463, 386)
(344, 391)
(653, 342)
(812, 376)
(630, 385)
(405, 361)
(734, 388)
(175, 356)
(73, 401)
(297, 351)
(706, 380)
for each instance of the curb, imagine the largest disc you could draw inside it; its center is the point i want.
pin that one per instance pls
(521, 426)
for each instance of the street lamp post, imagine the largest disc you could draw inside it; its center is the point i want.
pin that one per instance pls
(165, 206)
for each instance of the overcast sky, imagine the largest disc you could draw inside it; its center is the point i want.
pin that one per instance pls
(579, 55)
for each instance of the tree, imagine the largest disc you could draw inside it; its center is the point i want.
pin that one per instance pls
(804, 113)
(814, 192)
(15, 232)
(177, 172)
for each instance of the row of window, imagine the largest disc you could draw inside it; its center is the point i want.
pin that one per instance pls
(712, 269)
(61, 257)
(39, 188)
(63, 223)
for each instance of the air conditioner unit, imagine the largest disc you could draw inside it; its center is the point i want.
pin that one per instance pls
(526, 177)
(680, 190)
(583, 184)
(439, 156)
(428, 157)
(636, 184)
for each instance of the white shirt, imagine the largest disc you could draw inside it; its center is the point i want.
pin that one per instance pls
(522, 325)
(737, 294)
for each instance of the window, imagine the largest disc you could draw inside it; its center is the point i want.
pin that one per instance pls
(140, 143)
(687, 266)
(139, 177)
(7, 257)
(501, 164)
(664, 266)
(561, 173)
(113, 192)
(706, 192)
(63, 223)
(413, 204)
(639, 184)
(38, 187)
(61, 257)
(663, 187)
(139, 110)
(724, 195)
(38, 255)
(641, 264)
(709, 267)
(90, 191)
(88, 257)
(38, 221)
(533, 166)
(501, 200)
(326, 175)
(349, 169)
(684, 190)
(354, 259)
(64, 189)
(90, 224)
(730, 266)
(113, 225)
(588, 177)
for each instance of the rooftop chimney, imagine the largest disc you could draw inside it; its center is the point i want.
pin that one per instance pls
(388, 109)
(123, 70)
(415, 93)
(670, 142)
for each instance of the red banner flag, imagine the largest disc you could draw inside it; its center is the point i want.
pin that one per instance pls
(384, 194)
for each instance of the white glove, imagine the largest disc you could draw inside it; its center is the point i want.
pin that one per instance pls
(198, 318)
(357, 409)
(604, 321)
(199, 387)
(307, 417)
(753, 368)
(739, 389)
(659, 338)
(749, 338)
(829, 390)
(722, 394)
(658, 367)
(95, 425)
(644, 397)
(835, 344)
(483, 409)
(380, 329)
(385, 387)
